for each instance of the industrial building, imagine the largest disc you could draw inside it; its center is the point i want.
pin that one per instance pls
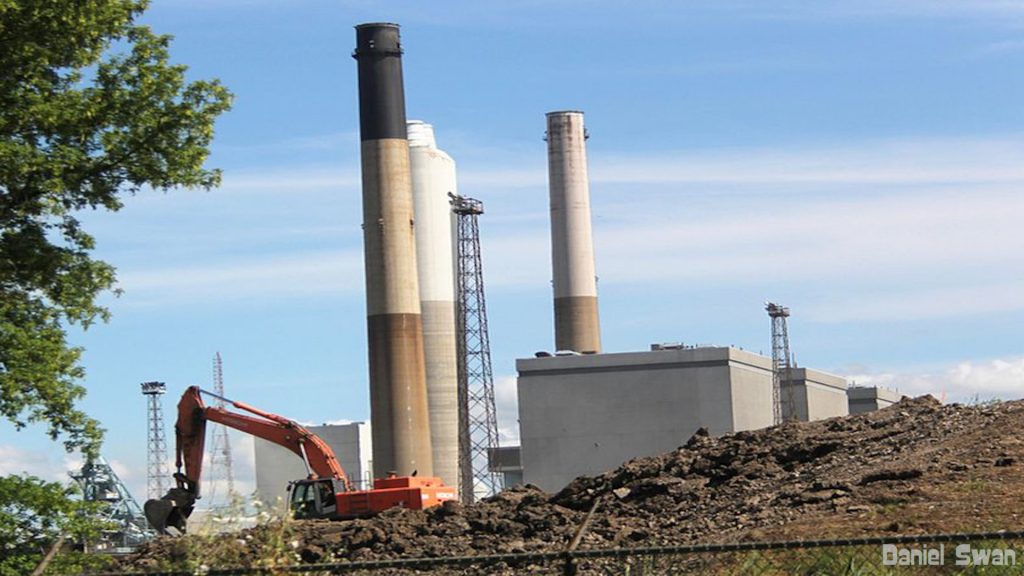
(868, 398)
(813, 395)
(277, 466)
(507, 461)
(585, 414)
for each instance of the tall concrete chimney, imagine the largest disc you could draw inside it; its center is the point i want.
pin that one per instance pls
(577, 326)
(433, 178)
(398, 391)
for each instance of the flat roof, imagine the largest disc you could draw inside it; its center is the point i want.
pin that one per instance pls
(872, 393)
(818, 377)
(643, 359)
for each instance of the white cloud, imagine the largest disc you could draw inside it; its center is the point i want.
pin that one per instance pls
(965, 381)
(506, 403)
(925, 221)
(482, 178)
(832, 236)
(337, 422)
(14, 460)
(290, 180)
(304, 274)
(1003, 378)
(346, 139)
(794, 169)
(888, 162)
(912, 229)
(921, 304)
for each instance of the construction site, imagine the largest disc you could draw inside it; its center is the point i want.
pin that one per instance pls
(681, 444)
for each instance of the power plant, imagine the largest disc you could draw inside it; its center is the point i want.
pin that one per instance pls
(581, 410)
(681, 457)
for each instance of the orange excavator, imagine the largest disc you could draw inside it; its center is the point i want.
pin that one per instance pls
(324, 493)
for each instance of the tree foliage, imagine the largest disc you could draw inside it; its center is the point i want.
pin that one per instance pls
(34, 514)
(91, 109)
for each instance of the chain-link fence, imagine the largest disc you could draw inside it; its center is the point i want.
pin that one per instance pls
(978, 553)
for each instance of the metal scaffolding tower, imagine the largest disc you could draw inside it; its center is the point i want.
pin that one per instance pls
(782, 361)
(157, 441)
(126, 526)
(220, 455)
(478, 422)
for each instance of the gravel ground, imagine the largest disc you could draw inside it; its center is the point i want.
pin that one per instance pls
(915, 467)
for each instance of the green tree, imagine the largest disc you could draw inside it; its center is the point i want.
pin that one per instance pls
(34, 515)
(91, 110)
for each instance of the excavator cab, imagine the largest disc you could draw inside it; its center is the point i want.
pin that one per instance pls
(313, 498)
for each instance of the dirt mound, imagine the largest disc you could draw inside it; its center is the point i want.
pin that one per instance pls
(917, 466)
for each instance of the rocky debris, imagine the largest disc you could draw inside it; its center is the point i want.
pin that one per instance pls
(914, 467)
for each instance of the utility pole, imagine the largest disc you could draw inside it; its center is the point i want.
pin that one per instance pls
(220, 455)
(782, 361)
(156, 440)
(478, 422)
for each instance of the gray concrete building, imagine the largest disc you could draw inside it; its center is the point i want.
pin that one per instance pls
(813, 395)
(507, 461)
(276, 466)
(868, 398)
(586, 414)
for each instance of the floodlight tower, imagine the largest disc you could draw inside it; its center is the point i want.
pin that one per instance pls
(220, 455)
(157, 441)
(782, 361)
(478, 422)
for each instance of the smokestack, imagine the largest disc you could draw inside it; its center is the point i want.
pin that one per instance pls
(572, 248)
(433, 178)
(398, 392)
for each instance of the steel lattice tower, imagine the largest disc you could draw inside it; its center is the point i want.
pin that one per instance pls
(128, 527)
(157, 440)
(220, 454)
(782, 361)
(478, 422)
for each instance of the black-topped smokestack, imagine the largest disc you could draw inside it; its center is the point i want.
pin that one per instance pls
(398, 390)
(381, 91)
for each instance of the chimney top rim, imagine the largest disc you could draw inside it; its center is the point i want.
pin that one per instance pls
(377, 25)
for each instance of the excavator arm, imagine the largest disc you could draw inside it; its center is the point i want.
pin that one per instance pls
(190, 436)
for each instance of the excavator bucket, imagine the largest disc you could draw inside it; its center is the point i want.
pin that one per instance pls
(171, 511)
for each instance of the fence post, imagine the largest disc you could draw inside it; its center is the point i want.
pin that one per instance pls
(570, 558)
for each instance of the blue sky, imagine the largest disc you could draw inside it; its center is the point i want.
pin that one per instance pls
(858, 161)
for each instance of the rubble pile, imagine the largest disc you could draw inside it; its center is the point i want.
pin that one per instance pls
(918, 466)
